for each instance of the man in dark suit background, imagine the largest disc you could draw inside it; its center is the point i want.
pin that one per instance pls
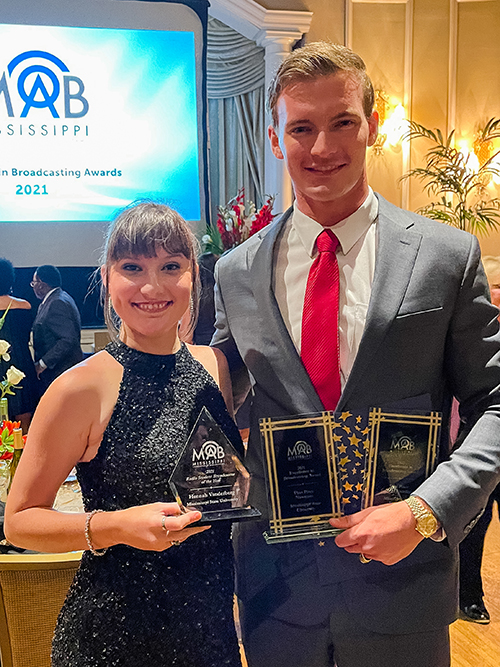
(56, 329)
(415, 328)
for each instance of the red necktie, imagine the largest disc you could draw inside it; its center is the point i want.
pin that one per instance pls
(320, 350)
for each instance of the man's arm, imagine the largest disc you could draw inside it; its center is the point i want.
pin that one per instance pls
(59, 322)
(459, 488)
(224, 340)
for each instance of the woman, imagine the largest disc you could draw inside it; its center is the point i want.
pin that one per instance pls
(16, 331)
(142, 595)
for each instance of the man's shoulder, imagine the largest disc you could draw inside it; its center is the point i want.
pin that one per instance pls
(241, 257)
(427, 227)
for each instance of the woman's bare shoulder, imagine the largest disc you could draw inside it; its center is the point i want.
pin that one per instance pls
(95, 373)
(209, 357)
(15, 303)
(215, 363)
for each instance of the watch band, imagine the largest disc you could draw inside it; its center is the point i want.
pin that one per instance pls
(427, 524)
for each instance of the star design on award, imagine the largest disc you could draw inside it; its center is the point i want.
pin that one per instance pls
(359, 486)
(345, 415)
(342, 448)
(346, 429)
(354, 440)
(344, 461)
(345, 500)
(337, 438)
(358, 454)
(348, 486)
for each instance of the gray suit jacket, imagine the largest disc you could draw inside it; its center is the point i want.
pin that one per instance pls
(430, 334)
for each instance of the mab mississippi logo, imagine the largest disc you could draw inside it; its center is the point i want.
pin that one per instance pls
(210, 451)
(300, 450)
(39, 86)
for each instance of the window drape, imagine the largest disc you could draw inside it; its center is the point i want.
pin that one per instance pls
(236, 116)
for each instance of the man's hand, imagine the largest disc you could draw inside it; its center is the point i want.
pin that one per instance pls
(39, 368)
(385, 533)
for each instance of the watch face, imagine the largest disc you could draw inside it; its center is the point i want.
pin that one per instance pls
(427, 525)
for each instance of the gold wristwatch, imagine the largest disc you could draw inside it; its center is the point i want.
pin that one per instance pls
(427, 524)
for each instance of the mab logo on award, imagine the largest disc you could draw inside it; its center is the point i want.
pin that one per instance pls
(300, 451)
(210, 452)
(43, 82)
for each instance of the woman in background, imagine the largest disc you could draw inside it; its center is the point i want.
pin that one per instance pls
(145, 594)
(16, 331)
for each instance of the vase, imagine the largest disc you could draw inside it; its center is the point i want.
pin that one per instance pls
(4, 479)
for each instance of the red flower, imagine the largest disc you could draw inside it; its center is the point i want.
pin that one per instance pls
(239, 220)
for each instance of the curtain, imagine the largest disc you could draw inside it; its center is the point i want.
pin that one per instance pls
(236, 115)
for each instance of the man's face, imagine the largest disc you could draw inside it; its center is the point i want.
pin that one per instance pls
(322, 135)
(39, 287)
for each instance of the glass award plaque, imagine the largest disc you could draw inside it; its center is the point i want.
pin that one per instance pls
(326, 465)
(209, 475)
(403, 453)
(315, 469)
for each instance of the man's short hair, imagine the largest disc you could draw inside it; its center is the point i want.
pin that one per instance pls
(49, 275)
(315, 60)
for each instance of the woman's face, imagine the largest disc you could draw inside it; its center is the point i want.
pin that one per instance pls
(150, 295)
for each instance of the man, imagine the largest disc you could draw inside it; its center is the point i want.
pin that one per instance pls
(472, 607)
(415, 327)
(56, 329)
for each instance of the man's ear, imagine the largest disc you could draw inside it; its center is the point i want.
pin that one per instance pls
(373, 128)
(275, 143)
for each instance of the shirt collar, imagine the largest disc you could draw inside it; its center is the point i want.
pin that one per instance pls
(348, 231)
(48, 294)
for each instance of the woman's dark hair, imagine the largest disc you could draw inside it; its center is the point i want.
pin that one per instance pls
(7, 276)
(140, 230)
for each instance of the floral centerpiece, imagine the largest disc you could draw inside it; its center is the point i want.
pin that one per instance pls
(7, 439)
(237, 221)
(13, 376)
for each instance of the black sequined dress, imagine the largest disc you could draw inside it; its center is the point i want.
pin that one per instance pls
(133, 608)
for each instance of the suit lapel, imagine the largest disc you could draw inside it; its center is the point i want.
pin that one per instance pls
(281, 351)
(397, 250)
(44, 306)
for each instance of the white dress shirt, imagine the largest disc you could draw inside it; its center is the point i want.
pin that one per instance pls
(356, 259)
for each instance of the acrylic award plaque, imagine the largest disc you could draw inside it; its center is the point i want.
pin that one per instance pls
(326, 465)
(403, 453)
(209, 475)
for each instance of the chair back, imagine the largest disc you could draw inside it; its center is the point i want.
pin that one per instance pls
(32, 591)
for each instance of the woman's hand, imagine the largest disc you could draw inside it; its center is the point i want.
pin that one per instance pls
(153, 527)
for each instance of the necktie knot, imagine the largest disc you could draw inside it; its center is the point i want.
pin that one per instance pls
(327, 241)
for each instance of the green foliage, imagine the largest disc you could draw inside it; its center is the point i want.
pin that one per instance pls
(462, 199)
(211, 241)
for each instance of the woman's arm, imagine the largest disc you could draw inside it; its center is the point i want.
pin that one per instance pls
(68, 423)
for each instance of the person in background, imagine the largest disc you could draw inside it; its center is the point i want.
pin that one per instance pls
(347, 302)
(153, 589)
(205, 326)
(472, 607)
(16, 331)
(57, 326)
